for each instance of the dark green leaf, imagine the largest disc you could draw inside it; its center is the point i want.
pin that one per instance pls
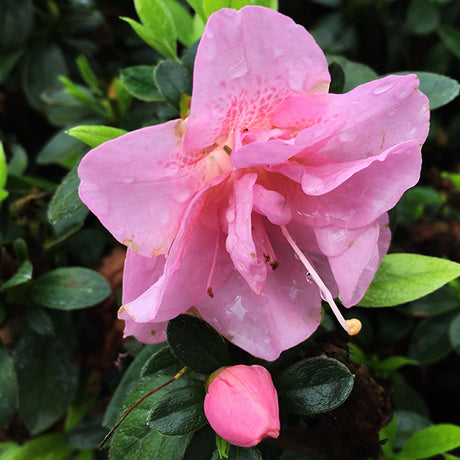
(16, 22)
(134, 439)
(441, 301)
(240, 453)
(196, 344)
(66, 203)
(3, 174)
(407, 424)
(139, 82)
(172, 79)
(430, 339)
(314, 385)
(47, 379)
(422, 17)
(179, 412)
(70, 288)
(161, 362)
(451, 38)
(44, 62)
(129, 381)
(408, 399)
(39, 321)
(439, 89)
(454, 333)
(18, 161)
(7, 61)
(431, 441)
(23, 275)
(60, 147)
(402, 278)
(52, 446)
(8, 387)
(354, 73)
(88, 434)
(95, 135)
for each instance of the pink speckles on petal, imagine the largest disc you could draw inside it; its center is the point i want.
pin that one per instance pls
(242, 72)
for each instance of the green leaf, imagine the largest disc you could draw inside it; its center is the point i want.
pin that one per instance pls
(88, 75)
(52, 446)
(402, 278)
(210, 6)
(39, 321)
(3, 174)
(44, 62)
(197, 5)
(438, 302)
(422, 17)
(196, 344)
(355, 73)
(16, 23)
(47, 379)
(430, 339)
(172, 79)
(162, 362)
(134, 439)
(451, 38)
(23, 275)
(314, 385)
(185, 25)
(8, 387)
(127, 384)
(439, 89)
(139, 82)
(393, 363)
(454, 333)
(179, 412)
(240, 453)
(431, 441)
(60, 147)
(70, 288)
(408, 423)
(95, 135)
(7, 62)
(18, 161)
(66, 203)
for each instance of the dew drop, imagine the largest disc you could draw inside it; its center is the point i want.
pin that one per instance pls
(239, 69)
(383, 88)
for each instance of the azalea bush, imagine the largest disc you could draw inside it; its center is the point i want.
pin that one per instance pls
(229, 229)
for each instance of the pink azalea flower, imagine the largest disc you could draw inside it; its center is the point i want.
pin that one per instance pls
(241, 405)
(269, 178)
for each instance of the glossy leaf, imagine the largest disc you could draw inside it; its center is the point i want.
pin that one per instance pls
(134, 439)
(8, 387)
(431, 441)
(196, 344)
(23, 275)
(44, 362)
(179, 412)
(402, 278)
(314, 385)
(172, 79)
(162, 362)
(70, 288)
(139, 82)
(95, 135)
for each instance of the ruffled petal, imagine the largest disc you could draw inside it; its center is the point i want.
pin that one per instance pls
(248, 61)
(139, 184)
(287, 312)
(240, 243)
(355, 268)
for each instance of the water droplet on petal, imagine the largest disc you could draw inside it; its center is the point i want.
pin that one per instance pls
(383, 88)
(309, 278)
(239, 69)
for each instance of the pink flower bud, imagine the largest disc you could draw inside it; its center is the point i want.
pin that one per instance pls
(242, 405)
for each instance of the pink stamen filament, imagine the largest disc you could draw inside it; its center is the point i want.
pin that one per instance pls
(325, 293)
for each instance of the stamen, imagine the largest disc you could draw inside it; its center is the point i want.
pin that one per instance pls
(351, 326)
(213, 266)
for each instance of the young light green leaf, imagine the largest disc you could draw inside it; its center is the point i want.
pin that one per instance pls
(52, 446)
(183, 23)
(95, 135)
(70, 288)
(210, 6)
(3, 174)
(139, 82)
(8, 387)
(88, 75)
(402, 278)
(451, 38)
(431, 441)
(314, 385)
(197, 5)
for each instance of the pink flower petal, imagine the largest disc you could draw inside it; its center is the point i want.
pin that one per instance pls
(240, 244)
(138, 185)
(271, 204)
(150, 332)
(248, 61)
(287, 311)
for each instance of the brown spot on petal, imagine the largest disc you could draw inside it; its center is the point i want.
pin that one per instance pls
(153, 332)
(179, 129)
(271, 261)
(131, 245)
(252, 255)
(210, 293)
